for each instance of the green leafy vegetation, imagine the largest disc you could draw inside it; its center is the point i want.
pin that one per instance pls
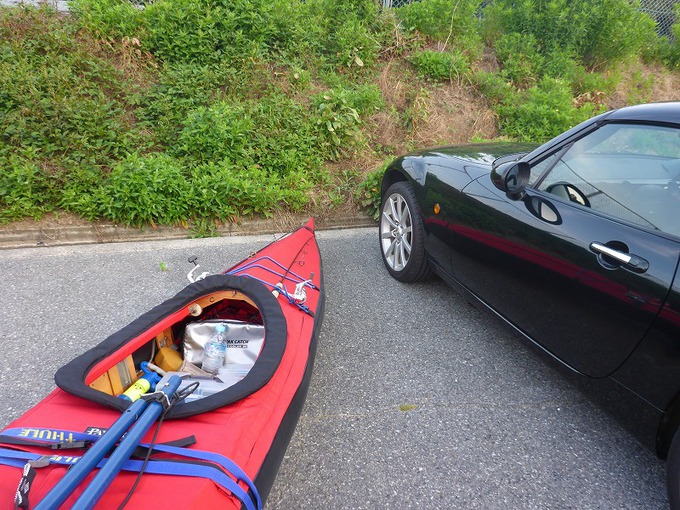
(541, 110)
(440, 65)
(196, 112)
(368, 192)
(455, 23)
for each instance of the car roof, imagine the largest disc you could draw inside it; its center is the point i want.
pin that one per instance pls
(668, 112)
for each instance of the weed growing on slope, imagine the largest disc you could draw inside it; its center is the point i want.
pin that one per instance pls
(60, 101)
(197, 111)
(440, 66)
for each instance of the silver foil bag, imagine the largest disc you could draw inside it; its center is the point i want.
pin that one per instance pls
(244, 342)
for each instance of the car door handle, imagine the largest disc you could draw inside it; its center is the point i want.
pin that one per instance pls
(628, 260)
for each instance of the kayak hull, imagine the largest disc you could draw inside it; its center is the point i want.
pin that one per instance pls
(251, 423)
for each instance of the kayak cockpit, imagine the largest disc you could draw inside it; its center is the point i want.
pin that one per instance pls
(172, 335)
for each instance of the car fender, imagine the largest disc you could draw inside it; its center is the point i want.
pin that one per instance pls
(407, 168)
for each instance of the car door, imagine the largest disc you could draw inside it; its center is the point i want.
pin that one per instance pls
(584, 260)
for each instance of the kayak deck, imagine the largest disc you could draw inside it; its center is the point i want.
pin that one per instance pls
(253, 430)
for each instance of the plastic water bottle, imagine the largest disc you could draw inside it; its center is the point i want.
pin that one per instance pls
(215, 351)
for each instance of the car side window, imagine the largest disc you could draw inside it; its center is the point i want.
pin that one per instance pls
(629, 171)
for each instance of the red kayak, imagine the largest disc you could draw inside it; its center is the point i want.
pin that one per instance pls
(225, 439)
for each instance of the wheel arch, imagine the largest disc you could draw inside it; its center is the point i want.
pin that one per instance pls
(409, 169)
(391, 176)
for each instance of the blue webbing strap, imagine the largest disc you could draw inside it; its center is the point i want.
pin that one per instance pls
(20, 459)
(216, 458)
(48, 437)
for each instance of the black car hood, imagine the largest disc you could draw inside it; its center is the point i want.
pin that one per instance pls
(481, 154)
(470, 161)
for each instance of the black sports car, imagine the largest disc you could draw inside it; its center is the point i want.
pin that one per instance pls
(574, 243)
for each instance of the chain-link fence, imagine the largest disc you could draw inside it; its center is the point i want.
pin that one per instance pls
(662, 11)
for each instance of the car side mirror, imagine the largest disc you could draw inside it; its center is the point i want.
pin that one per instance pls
(511, 177)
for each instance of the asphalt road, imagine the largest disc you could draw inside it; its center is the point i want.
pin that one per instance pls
(418, 400)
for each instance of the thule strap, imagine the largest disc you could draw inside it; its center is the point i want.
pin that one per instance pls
(29, 461)
(57, 439)
(59, 445)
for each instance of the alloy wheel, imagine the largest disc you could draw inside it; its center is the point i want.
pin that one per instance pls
(396, 231)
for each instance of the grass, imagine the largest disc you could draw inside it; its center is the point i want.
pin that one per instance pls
(200, 112)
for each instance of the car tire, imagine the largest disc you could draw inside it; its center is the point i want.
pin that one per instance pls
(402, 236)
(673, 473)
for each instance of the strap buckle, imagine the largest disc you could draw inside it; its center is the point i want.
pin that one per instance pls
(68, 445)
(40, 462)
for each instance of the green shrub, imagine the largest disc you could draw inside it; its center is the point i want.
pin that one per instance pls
(337, 119)
(193, 111)
(584, 82)
(79, 191)
(562, 63)
(616, 29)
(219, 189)
(598, 33)
(367, 193)
(520, 57)
(208, 31)
(144, 190)
(215, 133)
(351, 43)
(669, 48)
(542, 111)
(274, 132)
(285, 137)
(493, 86)
(108, 18)
(181, 89)
(440, 66)
(444, 20)
(365, 98)
(59, 99)
(24, 190)
(344, 35)
(226, 190)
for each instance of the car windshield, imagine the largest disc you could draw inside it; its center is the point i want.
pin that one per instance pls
(621, 139)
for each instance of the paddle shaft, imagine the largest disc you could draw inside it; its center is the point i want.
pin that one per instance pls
(64, 488)
(122, 453)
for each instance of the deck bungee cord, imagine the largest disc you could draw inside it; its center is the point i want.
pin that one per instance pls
(298, 297)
